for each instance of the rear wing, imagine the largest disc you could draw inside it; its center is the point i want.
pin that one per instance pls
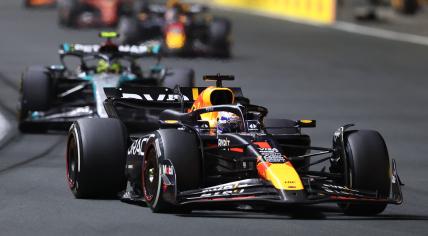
(192, 8)
(149, 48)
(152, 100)
(161, 94)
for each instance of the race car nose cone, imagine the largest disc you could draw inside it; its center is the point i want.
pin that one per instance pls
(291, 196)
(283, 176)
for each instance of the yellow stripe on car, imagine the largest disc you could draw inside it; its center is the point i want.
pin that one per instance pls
(283, 176)
(195, 93)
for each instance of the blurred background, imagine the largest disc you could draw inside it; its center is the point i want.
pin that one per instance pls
(338, 62)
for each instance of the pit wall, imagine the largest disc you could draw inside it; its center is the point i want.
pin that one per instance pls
(315, 11)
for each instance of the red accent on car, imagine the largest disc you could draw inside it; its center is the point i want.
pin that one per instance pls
(263, 144)
(240, 150)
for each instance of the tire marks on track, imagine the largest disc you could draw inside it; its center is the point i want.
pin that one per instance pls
(31, 159)
(8, 113)
(7, 81)
(14, 136)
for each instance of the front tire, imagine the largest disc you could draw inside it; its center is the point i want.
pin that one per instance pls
(182, 150)
(95, 158)
(368, 169)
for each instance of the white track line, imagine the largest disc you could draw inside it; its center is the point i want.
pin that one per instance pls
(344, 26)
(380, 33)
(4, 126)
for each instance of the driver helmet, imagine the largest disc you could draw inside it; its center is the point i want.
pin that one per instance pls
(173, 3)
(228, 122)
(104, 67)
(175, 9)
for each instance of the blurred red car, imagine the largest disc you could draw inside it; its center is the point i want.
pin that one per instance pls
(39, 3)
(91, 13)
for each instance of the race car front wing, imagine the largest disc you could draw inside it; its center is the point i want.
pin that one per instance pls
(261, 191)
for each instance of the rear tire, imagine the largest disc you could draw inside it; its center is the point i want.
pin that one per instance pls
(27, 4)
(179, 76)
(408, 7)
(65, 12)
(219, 33)
(368, 169)
(36, 95)
(36, 89)
(128, 30)
(96, 157)
(181, 148)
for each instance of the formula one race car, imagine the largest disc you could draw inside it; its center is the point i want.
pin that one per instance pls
(92, 13)
(215, 148)
(186, 29)
(408, 7)
(55, 96)
(39, 3)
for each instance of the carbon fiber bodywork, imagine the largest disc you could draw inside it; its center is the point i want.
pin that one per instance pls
(230, 172)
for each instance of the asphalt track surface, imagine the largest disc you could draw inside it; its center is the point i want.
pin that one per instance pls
(297, 71)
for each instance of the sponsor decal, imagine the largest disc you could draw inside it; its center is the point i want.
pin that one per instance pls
(137, 147)
(224, 190)
(335, 189)
(136, 49)
(271, 155)
(159, 98)
(223, 142)
(253, 125)
(85, 48)
(167, 170)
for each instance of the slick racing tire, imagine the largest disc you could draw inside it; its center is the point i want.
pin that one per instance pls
(408, 7)
(182, 150)
(36, 94)
(179, 76)
(36, 89)
(66, 9)
(368, 169)
(27, 4)
(219, 37)
(128, 30)
(95, 158)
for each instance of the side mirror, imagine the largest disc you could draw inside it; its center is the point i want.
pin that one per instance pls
(307, 123)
